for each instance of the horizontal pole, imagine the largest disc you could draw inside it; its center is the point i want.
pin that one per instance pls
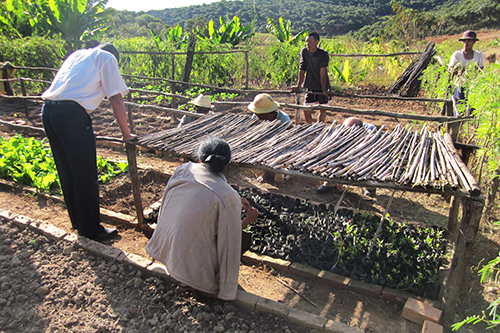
(181, 53)
(372, 54)
(387, 185)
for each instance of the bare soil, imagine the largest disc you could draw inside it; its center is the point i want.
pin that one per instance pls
(365, 313)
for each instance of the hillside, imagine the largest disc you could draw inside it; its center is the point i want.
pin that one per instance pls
(329, 17)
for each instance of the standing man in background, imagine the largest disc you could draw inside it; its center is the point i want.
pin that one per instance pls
(461, 59)
(314, 61)
(81, 83)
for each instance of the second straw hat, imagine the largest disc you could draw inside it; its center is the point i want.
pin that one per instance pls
(263, 103)
(203, 101)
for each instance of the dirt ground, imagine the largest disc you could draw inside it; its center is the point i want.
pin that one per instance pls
(368, 314)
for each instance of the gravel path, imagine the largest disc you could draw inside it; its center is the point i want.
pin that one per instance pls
(52, 286)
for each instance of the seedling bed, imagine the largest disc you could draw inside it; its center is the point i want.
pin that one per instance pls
(404, 256)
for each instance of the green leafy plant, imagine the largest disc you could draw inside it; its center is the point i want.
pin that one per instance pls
(283, 31)
(30, 161)
(229, 31)
(490, 272)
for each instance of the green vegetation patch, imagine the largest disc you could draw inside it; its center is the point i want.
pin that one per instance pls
(29, 161)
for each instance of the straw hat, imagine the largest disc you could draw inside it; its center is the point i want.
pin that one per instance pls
(469, 35)
(263, 103)
(203, 101)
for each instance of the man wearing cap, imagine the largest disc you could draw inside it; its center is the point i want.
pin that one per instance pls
(461, 59)
(83, 80)
(201, 104)
(314, 61)
(265, 108)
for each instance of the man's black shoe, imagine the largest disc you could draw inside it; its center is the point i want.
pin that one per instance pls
(106, 234)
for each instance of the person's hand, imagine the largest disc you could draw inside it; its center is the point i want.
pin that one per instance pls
(294, 88)
(245, 205)
(326, 93)
(252, 214)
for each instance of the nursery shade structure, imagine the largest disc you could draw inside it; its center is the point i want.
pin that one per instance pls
(404, 159)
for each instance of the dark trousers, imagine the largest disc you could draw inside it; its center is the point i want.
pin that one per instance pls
(69, 129)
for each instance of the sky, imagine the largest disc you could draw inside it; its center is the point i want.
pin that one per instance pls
(145, 5)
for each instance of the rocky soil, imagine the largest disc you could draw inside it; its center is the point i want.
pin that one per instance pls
(52, 286)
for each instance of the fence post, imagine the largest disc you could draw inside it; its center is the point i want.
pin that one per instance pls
(248, 69)
(7, 72)
(26, 106)
(469, 226)
(451, 128)
(297, 111)
(174, 99)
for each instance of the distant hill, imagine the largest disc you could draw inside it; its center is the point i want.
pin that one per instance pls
(327, 17)
(362, 19)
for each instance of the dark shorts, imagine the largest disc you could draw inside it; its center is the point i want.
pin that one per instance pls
(316, 96)
(459, 94)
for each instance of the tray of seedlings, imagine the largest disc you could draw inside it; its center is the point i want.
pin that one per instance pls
(404, 256)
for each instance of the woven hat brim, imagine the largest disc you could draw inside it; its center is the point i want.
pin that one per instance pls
(254, 109)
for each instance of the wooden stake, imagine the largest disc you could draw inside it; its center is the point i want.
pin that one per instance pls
(134, 178)
(469, 226)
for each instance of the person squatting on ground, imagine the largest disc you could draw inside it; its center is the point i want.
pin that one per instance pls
(201, 104)
(462, 59)
(314, 62)
(325, 187)
(265, 108)
(81, 83)
(199, 232)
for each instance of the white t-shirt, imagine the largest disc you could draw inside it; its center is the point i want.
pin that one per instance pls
(457, 58)
(85, 77)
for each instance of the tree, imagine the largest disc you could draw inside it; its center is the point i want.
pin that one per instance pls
(232, 32)
(75, 20)
(283, 31)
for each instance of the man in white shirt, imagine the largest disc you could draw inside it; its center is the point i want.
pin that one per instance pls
(83, 80)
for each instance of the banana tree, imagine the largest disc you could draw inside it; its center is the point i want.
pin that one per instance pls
(283, 31)
(13, 17)
(75, 20)
(229, 31)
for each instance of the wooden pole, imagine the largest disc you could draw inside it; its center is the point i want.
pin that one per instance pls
(129, 113)
(453, 216)
(469, 226)
(297, 111)
(173, 105)
(248, 69)
(134, 178)
(468, 175)
(451, 127)
(26, 106)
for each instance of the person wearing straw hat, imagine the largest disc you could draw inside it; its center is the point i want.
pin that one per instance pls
(202, 104)
(265, 108)
(462, 59)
